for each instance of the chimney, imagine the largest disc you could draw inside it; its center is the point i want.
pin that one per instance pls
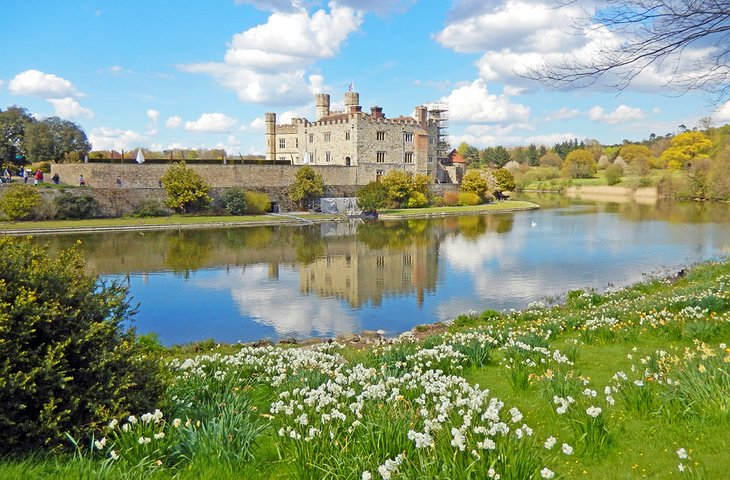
(376, 112)
(421, 115)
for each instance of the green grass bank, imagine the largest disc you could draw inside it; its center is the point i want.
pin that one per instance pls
(633, 383)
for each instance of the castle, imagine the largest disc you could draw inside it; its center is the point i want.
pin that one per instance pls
(369, 143)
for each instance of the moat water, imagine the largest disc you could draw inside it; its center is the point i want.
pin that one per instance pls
(246, 284)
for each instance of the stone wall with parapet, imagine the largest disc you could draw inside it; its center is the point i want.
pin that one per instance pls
(99, 175)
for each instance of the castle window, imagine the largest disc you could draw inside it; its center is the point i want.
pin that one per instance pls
(327, 136)
(408, 157)
(380, 135)
(282, 143)
(296, 142)
(328, 157)
(347, 135)
(378, 174)
(430, 140)
(408, 137)
(311, 138)
(430, 159)
(380, 157)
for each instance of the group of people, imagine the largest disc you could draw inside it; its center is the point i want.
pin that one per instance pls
(37, 177)
(26, 175)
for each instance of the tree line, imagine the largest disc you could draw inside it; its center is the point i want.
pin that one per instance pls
(24, 139)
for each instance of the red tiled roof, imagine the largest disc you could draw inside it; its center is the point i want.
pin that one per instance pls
(456, 157)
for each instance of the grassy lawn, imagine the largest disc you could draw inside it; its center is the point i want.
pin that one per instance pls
(132, 222)
(185, 220)
(634, 383)
(496, 206)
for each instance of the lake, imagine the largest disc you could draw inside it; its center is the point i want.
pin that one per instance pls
(245, 284)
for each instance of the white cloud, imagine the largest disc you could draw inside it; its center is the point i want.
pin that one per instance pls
(516, 37)
(212, 123)
(722, 114)
(474, 104)
(482, 136)
(43, 85)
(622, 113)
(105, 138)
(564, 113)
(268, 63)
(173, 122)
(517, 25)
(377, 6)
(153, 115)
(69, 108)
(257, 123)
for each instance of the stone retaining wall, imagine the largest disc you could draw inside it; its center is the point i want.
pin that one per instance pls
(98, 175)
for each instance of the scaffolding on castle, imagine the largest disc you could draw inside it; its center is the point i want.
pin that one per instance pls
(439, 113)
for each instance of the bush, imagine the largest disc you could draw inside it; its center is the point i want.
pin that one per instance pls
(257, 203)
(152, 208)
(504, 179)
(67, 362)
(372, 197)
(614, 172)
(186, 190)
(234, 201)
(476, 182)
(469, 198)
(417, 200)
(72, 207)
(19, 201)
(451, 198)
(307, 186)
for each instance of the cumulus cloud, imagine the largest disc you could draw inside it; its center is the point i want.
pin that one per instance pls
(153, 115)
(105, 138)
(43, 85)
(722, 114)
(516, 37)
(212, 123)
(377, 6)
(622, 113)
(521, 26)
(173, 122)
(268, 63)
(69, 108)
(474, 104)
(564, 113)
(257, 123)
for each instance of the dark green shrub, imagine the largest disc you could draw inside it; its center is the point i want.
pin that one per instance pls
(19, 201)
(68, 363)
(73, 207)
(234, 200)
(152, 208)
(372, 197)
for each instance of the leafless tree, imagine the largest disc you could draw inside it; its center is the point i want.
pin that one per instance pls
(689, 38)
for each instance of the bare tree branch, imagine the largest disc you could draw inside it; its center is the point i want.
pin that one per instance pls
(690, 39)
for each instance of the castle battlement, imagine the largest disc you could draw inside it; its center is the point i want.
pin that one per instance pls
(355, 138)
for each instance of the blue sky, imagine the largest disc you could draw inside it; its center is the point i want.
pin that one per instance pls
(200, 74)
